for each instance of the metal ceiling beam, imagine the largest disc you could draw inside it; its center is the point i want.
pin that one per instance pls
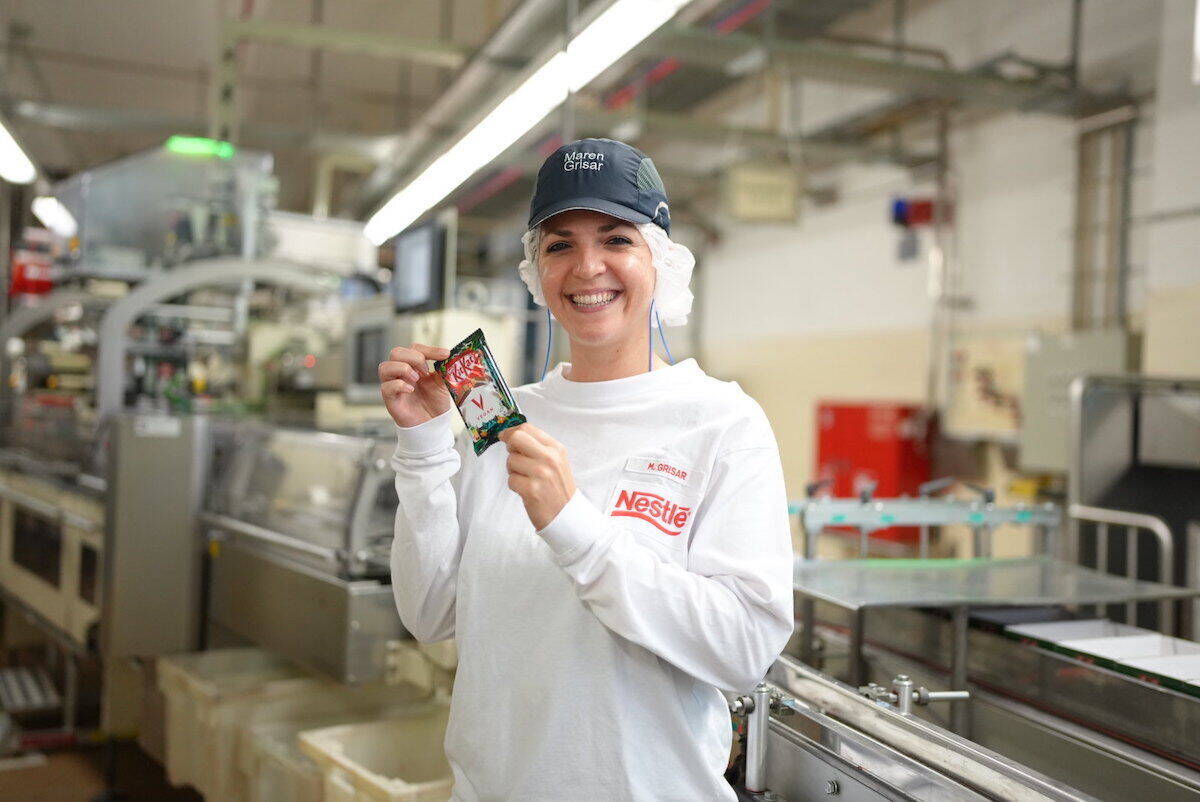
(681, 127)
(841, 65)
(364, 43)
(90, 118)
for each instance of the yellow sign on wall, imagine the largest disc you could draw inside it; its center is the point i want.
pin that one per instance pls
(762, 193)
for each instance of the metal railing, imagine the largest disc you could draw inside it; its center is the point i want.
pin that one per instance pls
(1135, 524)
(1192, 579)
(868, 516)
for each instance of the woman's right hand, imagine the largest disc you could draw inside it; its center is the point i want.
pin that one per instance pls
(412, 391)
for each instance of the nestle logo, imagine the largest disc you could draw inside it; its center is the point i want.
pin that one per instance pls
(668, 517)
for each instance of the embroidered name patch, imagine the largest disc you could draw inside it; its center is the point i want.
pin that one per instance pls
(658, 467)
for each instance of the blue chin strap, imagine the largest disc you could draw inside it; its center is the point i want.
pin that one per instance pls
(650, 332)
(662, 335)
(549, 341)
(651, 320)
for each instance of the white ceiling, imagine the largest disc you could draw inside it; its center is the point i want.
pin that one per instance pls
(155, 55)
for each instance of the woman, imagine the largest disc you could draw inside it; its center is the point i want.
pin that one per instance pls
(626, 554)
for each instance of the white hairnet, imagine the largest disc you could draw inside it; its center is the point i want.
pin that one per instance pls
(673, 264)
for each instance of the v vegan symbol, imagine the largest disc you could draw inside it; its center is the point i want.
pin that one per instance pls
(477, 402)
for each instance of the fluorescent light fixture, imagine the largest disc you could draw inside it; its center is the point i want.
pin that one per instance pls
(201, 146)
(15, 166)
(1196, 44)
(616, 31)
(54, 216)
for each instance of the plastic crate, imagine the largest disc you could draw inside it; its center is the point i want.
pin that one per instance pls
(198, 684)
(273, 766)
(397, 759)
(268, 757)
(227, 725)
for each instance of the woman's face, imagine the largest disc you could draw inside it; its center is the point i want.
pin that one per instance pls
(597, 276)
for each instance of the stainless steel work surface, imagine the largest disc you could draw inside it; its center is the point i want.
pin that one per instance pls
(855, 584)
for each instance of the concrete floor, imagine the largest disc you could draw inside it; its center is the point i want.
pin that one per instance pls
(77, 775)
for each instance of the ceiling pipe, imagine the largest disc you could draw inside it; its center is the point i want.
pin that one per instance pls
(735, 19)
(369, 43)
(504, 50)
(840, 65)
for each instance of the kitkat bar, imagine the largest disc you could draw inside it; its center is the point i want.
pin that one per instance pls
(479, 391)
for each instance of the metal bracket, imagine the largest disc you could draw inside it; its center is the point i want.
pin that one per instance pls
(757, 708)
(902, 695)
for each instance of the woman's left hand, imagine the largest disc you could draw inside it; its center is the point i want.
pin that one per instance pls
(538, 472)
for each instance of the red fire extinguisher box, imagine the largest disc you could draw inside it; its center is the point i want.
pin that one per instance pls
(876, 443)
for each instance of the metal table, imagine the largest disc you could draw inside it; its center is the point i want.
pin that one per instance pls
(958, 585)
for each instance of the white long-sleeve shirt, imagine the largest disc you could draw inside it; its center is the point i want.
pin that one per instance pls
(591, 652)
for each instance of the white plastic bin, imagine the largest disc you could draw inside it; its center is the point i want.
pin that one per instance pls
(269, 762)
(274, 766)
(398, 759)
(193, 684)
(227, 724)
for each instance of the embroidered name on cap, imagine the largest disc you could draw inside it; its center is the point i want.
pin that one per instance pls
(582, 160)
(668, 517)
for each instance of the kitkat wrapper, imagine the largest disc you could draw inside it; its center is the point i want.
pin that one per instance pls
(479, 391)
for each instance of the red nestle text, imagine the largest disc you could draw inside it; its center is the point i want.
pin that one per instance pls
(668, 517)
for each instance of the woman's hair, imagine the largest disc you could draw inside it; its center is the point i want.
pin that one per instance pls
(673, 263)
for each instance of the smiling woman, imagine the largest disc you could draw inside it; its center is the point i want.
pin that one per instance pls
(640, 558)
(598, 281)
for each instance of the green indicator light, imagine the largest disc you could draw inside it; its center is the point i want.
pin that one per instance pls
(1024, 515)
(837, 519)
(976, 517)
(887, 519)
(201, 146)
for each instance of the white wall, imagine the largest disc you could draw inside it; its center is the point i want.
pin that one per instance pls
(837, 271)
(823, 308)
(834, 271)
(1174, 244)
(1172, 231)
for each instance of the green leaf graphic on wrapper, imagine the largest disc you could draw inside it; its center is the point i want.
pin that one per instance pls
(472, 365)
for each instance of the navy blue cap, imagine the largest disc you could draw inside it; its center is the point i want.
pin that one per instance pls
(602, 175)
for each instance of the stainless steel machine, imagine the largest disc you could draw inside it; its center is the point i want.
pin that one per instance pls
(1111, 711)
(99, 549)
(1135, 447)
(300, 529)
(809, 737)
(106, 564)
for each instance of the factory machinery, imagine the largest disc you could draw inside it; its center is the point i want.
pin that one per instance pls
(166, 533)
(985, 677)
(131, 533)
(908, 679)
(138, 501)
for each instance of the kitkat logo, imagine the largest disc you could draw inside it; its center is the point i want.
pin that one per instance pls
(668, 517)
(465, 367)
